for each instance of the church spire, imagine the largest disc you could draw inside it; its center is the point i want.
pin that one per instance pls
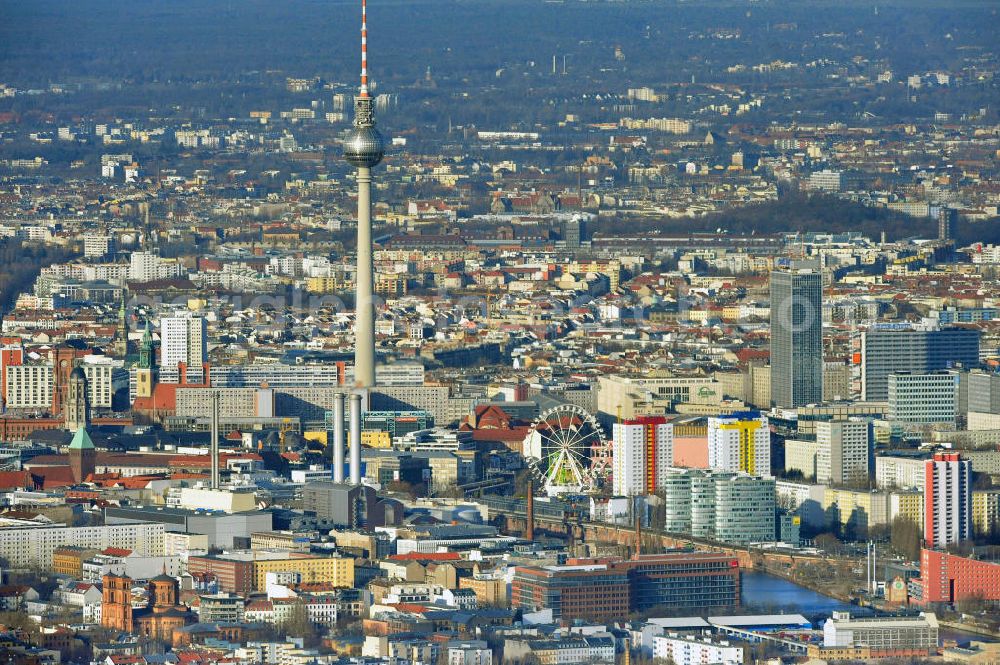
(121, 331)
(147, 357)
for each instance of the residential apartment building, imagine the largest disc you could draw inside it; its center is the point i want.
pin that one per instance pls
(694, 650)
(949, 578)
(947, 499)
(33, 546)
(184, 339)
(33, 386)
(892, 471)
(845, 451)
(740, 442)
(642, 454)
(985, 511)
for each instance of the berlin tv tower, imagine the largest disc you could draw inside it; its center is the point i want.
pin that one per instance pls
(364, 148)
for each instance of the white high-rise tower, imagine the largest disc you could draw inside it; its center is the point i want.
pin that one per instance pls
(364, 148)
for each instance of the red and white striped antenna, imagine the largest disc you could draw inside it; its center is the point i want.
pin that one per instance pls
(364, 48)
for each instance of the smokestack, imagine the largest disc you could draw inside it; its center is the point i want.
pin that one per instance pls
(213, 448)
(338, 438)
(638, 528)
(529, 532)
(355, 438)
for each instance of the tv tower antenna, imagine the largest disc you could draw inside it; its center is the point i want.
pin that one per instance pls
(364, 148)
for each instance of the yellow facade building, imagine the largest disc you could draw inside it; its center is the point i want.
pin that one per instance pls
(376, 439)
(322, 285)
(908, 504)
(857, 508)
(985, 510)
(69, 560)
(313, 569)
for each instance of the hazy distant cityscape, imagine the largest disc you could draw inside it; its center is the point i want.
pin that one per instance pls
(499, 332)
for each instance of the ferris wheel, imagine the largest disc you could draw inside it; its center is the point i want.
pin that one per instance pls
(567, 450)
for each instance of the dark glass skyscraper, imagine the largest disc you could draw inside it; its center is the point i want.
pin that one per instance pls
(900, 348)
(796, 337)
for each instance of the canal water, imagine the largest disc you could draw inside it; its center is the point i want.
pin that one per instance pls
(775, 594)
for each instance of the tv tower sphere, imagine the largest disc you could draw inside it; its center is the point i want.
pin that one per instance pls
(364, 146)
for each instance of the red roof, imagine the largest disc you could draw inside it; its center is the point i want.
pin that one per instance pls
(413, 608)
(55, 476)
(746, 355)
(16, 480)
(127, 660)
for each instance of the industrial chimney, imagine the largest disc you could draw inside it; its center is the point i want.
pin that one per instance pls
(355, 439)
(338, 438)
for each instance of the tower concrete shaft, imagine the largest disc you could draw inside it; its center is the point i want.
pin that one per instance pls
(213, 448)
(364, 307)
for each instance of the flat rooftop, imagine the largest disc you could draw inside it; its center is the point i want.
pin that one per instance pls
(738, 621)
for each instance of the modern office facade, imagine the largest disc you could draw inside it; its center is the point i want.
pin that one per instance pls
(683, 579)
(595, 591)
(609, 588)
(984, 392)
(796, 337)
(889, 348)
(923, 398)
(728, 507)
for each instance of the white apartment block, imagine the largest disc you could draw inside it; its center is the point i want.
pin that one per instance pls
(691, 650)
(30, 386)
(843, 454)
(114, 273)
(642, 455)
(27, 546)
(469, 652)
(740, 442)
(801, 455)
(184, 339)
(899, 472)
(146, 267)
(97, 245)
